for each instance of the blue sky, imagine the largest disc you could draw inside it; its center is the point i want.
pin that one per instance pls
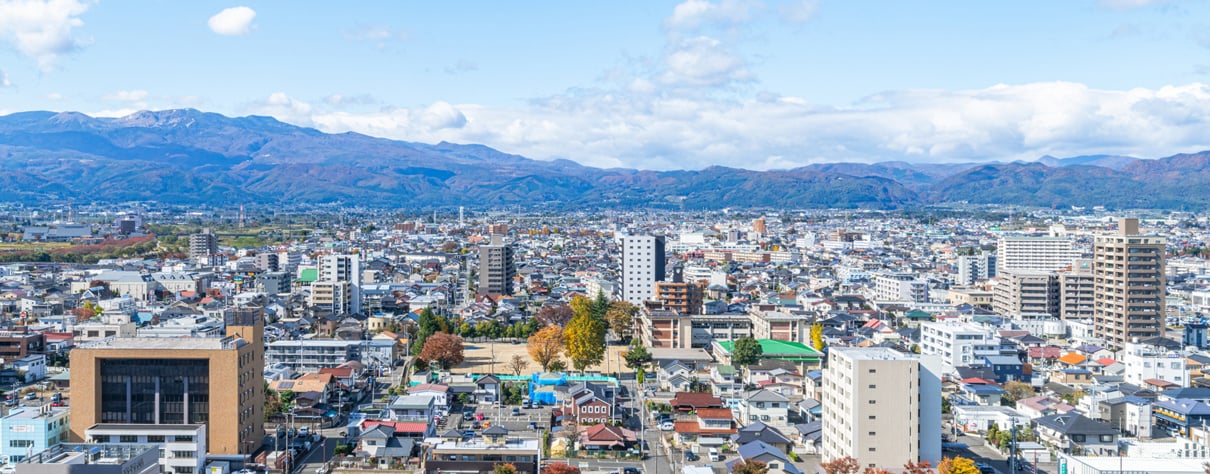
(649, 84)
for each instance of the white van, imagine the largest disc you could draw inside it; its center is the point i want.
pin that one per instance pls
(714, 457)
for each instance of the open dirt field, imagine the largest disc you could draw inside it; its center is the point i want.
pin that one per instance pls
(479, 359)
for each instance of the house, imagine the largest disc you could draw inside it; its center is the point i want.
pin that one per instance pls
(759, 431)
(766, 406)
(983, 393)
(760, 451)
(380, 443)
(1073, 433)
(414, 408)
(1039, 406)
(713, 427)
(487, 388)
(725, 381)
(33, 366)
(690, 401)
(1072, 376)
(588, 404)
(1132, 413)
(604, 436)
(810, 436)
(1006, 368)
(670, 369)
(482, 455)
(1178, 417)
(440, 394)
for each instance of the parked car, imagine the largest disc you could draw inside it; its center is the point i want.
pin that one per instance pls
(468, 415)
(630, 470)
(57, 404)
(476, 425)
(667, 425)
(714, 456)
(516, 411)
(691, 456)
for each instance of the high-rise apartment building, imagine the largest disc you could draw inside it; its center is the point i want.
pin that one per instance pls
(1128, 285)
(972, 268)
(214, 381)
(684, 298)
(496, 267)
(1077, 293)
(343, 268)
(643, 264)
(1043, 254)
(901, 287)
(1020, 292)
(881, 407)
(203, 245)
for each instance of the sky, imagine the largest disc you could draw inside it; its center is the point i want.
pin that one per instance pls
(757, 84)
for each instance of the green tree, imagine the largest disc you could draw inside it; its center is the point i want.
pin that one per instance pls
(556, 365)
(428, 324)
(585, 339)
(507, 468)
(746, 351)
(620, 317)
(637, 357)
(751, 466)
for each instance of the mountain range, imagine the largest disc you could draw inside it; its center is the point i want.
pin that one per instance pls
(187, 156)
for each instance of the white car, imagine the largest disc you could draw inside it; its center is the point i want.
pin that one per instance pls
(667, 425)
(714, 457)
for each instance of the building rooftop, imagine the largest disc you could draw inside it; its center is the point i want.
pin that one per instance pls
(478, 444)
(90, 453)
(143, 427)
(166, 343)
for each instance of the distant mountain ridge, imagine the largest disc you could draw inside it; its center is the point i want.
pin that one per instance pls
(186, 156)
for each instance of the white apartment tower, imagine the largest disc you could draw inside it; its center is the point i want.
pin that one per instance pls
(343, 268)
(958, 344)
(1042, 254)
(881, 407)
(642, 265)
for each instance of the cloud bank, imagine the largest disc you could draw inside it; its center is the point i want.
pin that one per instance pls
(43, 30)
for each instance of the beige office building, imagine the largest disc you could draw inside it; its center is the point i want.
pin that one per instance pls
(218, 382)
(1128, 280)
(881, 407)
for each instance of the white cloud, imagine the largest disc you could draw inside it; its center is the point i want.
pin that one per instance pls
(55, 96)
(615, 128)
(1129, 4)
(234, 21)
(798, 11)
(126, 96)
(4, 82)
(41, 29)
(703, 61)
(693, 14)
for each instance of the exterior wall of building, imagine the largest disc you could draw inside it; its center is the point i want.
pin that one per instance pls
(235, 378)
(1045, 254)
(642, 265)
(881, 407)
(1129, 281)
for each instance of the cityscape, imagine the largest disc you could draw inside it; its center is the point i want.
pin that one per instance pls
(657, 237)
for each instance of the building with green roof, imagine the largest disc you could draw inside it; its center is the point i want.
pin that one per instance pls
(773, 349)
(308, 276)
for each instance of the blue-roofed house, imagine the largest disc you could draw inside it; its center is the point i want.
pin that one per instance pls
(1006, 368)
(1132, 413)
(1073, 376)
(983, 394)
(1176, 417)
(758, 431)
(764, 452)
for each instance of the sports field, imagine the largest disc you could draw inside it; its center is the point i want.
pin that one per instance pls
(479, 359)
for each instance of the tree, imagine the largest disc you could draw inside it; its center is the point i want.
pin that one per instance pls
(746, 351)
(580, 305)
(557, 365)
(428, 324)
(845, 465)
(554, 315)
(637, 357)
(599, 306)
(750, 467)
(620, 317)
(518, 364)
(546, 346)
(1014, 390)
(585, 341)
(817, 342)
(560, 468)
(446, 349)
(922, 467)
(1073, 398)
(957, 465)
(506, 468)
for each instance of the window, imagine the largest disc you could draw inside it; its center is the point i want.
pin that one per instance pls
(184, 469)
(873, 433)
(20, 443)
(873, 402)
(184, 454)
(128, 439)
(872, 386)
(1107, 438)
(155, 438)
(183, 439)
(100, 439)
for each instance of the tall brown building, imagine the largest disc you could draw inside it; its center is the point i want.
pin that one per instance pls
(214, 381)
(684, 298)
(758, 225)
(1128, 285)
